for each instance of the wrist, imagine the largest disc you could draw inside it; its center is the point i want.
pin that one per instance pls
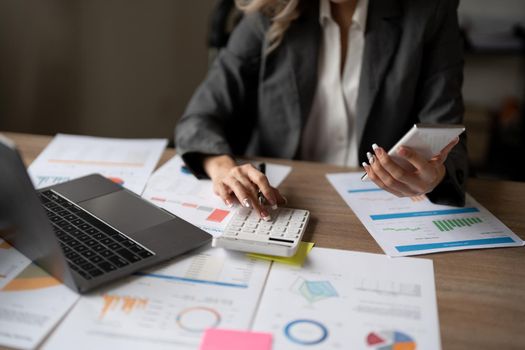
(216, 165)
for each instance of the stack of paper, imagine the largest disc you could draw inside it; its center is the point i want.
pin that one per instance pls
(169, 307)
(128, 162)
(350, 300)
(31, 301)
(411, 226)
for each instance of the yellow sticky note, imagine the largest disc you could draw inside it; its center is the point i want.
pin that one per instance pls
(297, 259)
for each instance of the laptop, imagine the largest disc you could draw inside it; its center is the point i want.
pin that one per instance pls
(89, 231)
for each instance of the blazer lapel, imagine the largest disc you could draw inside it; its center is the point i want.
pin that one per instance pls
(381, 40)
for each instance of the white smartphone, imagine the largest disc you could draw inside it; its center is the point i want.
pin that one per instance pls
(426, 139)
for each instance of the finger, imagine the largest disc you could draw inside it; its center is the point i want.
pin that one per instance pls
(396, 171)
(261, 181)
(373, 176)
(442, 156)
(413, 157)
(239, 173)
(222, 191)
(243, 196)
(427, 170)
(246, 198)
(281, 200)
(388, 180)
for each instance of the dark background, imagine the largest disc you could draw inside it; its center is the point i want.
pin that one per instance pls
(126, 68)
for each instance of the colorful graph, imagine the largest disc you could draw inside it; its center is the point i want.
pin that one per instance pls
(48, 180)
(306, 332)
(185, 170)
(215, 215)
(452, 224)
(97, 163)
(401, 229)
(31, 278)
(361, 190)
(314, 291)
(117, 180)
(390, 340)
(198, 319)
(124, 304)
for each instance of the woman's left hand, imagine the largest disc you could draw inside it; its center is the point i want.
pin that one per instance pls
(403, 183)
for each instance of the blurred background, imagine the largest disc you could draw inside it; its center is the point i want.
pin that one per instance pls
(127, 68)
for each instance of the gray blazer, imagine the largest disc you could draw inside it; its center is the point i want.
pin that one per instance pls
(256, 104)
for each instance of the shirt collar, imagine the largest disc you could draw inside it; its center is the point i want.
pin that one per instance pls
(359, 18)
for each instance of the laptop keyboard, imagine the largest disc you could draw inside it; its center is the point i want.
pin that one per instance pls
(92, 248)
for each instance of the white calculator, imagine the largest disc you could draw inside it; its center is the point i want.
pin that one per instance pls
(281, 236)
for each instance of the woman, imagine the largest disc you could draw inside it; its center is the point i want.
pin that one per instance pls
(323, 81)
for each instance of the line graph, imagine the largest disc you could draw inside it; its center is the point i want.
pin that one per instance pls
(401, 229)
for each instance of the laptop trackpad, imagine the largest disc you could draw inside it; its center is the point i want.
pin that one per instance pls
(125, 212)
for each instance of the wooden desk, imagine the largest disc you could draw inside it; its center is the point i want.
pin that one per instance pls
(481, 293)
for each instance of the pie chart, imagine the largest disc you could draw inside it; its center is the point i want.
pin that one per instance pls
(390, 340)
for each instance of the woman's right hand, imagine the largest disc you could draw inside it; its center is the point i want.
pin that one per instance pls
(241, 183)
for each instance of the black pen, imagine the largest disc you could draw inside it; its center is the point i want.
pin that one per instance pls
(262, 169)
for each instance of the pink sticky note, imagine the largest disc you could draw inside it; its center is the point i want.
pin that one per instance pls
(221, 339)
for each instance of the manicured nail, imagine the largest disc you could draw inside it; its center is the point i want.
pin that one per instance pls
(370, 158)
(377, 150)
(229, 204)
(402, 151)
(364, 165)
(246, 202)
(275, 207)
(265, 216)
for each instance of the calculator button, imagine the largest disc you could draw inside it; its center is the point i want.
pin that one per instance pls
(248, 230)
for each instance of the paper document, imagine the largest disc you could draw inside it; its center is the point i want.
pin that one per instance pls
(411, 226)
(175, 189)
(298, 259)
(128, 162)
(350, 300)
(169, 307)
(31, 301)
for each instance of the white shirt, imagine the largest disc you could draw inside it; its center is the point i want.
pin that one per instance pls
(329, 135)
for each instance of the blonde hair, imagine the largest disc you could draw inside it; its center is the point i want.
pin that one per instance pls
(281, 13)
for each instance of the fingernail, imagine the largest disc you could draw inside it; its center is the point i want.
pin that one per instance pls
(265, 216)
(246, 202)
(402, 151)
(229, 204)
(369, 156)
(377, 149)
(364, 165)
(275, 207)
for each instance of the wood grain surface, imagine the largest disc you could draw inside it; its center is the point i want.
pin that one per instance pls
(481, 293)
